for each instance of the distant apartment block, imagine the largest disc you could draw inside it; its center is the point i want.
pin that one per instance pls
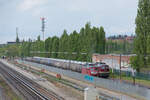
(120, 38)
(9, 43)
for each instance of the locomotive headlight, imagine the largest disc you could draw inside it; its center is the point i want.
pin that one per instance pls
(93, 72)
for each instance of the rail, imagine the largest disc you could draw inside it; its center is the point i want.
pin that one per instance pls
(25, 86)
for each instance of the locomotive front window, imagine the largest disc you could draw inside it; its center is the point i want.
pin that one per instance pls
(103, 67)
(92, 69)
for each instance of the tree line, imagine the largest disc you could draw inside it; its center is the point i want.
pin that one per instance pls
(76, 45)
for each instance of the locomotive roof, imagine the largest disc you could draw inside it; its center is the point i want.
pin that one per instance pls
(94, 64)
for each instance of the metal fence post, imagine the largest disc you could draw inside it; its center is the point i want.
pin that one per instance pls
(120, 66)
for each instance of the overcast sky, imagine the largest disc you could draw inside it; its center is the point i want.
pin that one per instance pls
(116, 16)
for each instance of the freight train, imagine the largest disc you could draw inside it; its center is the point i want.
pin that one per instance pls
(93, 69)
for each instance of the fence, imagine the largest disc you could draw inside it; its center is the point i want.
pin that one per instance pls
(142, 76)
(118, 86)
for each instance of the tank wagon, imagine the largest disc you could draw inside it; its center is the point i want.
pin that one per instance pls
(100, 69)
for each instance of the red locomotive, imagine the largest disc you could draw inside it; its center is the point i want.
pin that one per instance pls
(97, 69)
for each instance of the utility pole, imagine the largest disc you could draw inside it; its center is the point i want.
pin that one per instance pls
(112, 67)
(120, 67)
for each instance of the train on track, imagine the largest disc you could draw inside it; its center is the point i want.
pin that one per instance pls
(92, 69)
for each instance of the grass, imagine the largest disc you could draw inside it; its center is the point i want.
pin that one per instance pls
(145, 69)
(8, 91)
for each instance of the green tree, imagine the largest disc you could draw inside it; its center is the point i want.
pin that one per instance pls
(12, 51)
(48, 44)
(101, 40)
(55, 46)
(142, 31)
(63, 45)
(17, 39)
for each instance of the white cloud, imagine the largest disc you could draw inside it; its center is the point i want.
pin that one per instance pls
(30, 4)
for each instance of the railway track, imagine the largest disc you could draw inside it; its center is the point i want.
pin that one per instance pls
(102, 95)
(25, 86)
